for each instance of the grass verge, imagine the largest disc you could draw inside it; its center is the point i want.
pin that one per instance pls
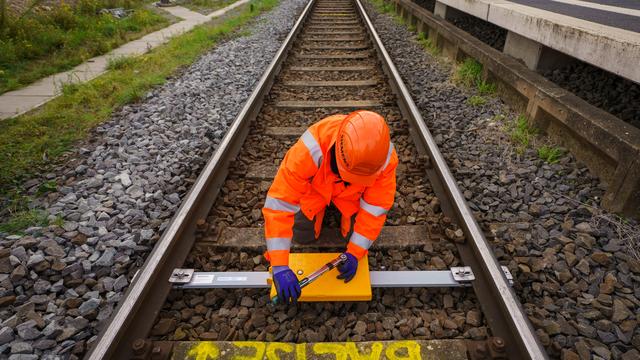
(205, 6)
(43, 41)
(32, 141)
(121, 62)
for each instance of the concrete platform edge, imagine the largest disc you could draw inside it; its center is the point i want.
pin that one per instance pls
(608, 146)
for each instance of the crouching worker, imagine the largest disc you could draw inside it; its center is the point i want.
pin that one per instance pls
(346, 161)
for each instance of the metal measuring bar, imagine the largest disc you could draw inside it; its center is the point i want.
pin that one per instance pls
(455, 277)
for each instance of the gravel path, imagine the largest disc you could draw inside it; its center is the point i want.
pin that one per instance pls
(576, 275)
(117, 193)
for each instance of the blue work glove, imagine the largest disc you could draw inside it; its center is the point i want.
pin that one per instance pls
(287, 286)
(348, 269)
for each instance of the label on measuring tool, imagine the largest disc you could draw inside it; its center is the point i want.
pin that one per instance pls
(203, 278)
(232, 278)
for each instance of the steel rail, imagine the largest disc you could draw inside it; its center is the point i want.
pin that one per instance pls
(147, 292)
(498, 301)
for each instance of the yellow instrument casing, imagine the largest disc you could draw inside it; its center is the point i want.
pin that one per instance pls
(327, 287)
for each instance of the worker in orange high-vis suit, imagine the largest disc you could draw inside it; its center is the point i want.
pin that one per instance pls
(347, 161)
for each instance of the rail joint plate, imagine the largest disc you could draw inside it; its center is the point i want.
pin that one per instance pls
(181, 276)
(462, 274)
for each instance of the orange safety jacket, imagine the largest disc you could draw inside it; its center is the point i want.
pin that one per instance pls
(305, 182)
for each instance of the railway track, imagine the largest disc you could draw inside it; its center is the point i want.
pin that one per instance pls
(331, 62)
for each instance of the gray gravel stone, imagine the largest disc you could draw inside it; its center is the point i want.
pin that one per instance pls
(6, 335)
(106, 259)
(89, 306)
(125, 179)
(24, 357)
(21, 347)
(28, 331)
(34, 260)
(120, 283)
(52, 330)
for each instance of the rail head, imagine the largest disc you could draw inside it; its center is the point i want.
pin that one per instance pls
(524, 342)
(111, 338)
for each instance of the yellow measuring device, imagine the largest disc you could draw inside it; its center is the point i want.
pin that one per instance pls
(322, 284)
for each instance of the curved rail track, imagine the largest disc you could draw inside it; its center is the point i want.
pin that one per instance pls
(332, 62)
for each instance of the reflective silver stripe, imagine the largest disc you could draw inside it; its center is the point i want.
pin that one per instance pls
(372, 209)
(278, 244)
(388, 156)
(360, 240)
(314, 148)
(281, 205)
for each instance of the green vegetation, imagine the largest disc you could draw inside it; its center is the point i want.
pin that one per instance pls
(521, 133)
(469, 73)
(388, 8)
(23, 220)
(476, 100)
(485, 88)
(121, 62)
(31, 141)
(498, 118)
(423, 39)
(42, 41)
(384, 7)
(524, 136)
(205, 6)
(46, 187)
(549, 154)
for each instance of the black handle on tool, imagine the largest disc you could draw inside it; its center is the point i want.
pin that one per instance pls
(316, 274)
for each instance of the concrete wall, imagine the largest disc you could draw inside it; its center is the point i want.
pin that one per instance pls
(615, 50)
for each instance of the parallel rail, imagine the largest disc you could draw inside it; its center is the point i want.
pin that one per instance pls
(499, 303)
(134, 317)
